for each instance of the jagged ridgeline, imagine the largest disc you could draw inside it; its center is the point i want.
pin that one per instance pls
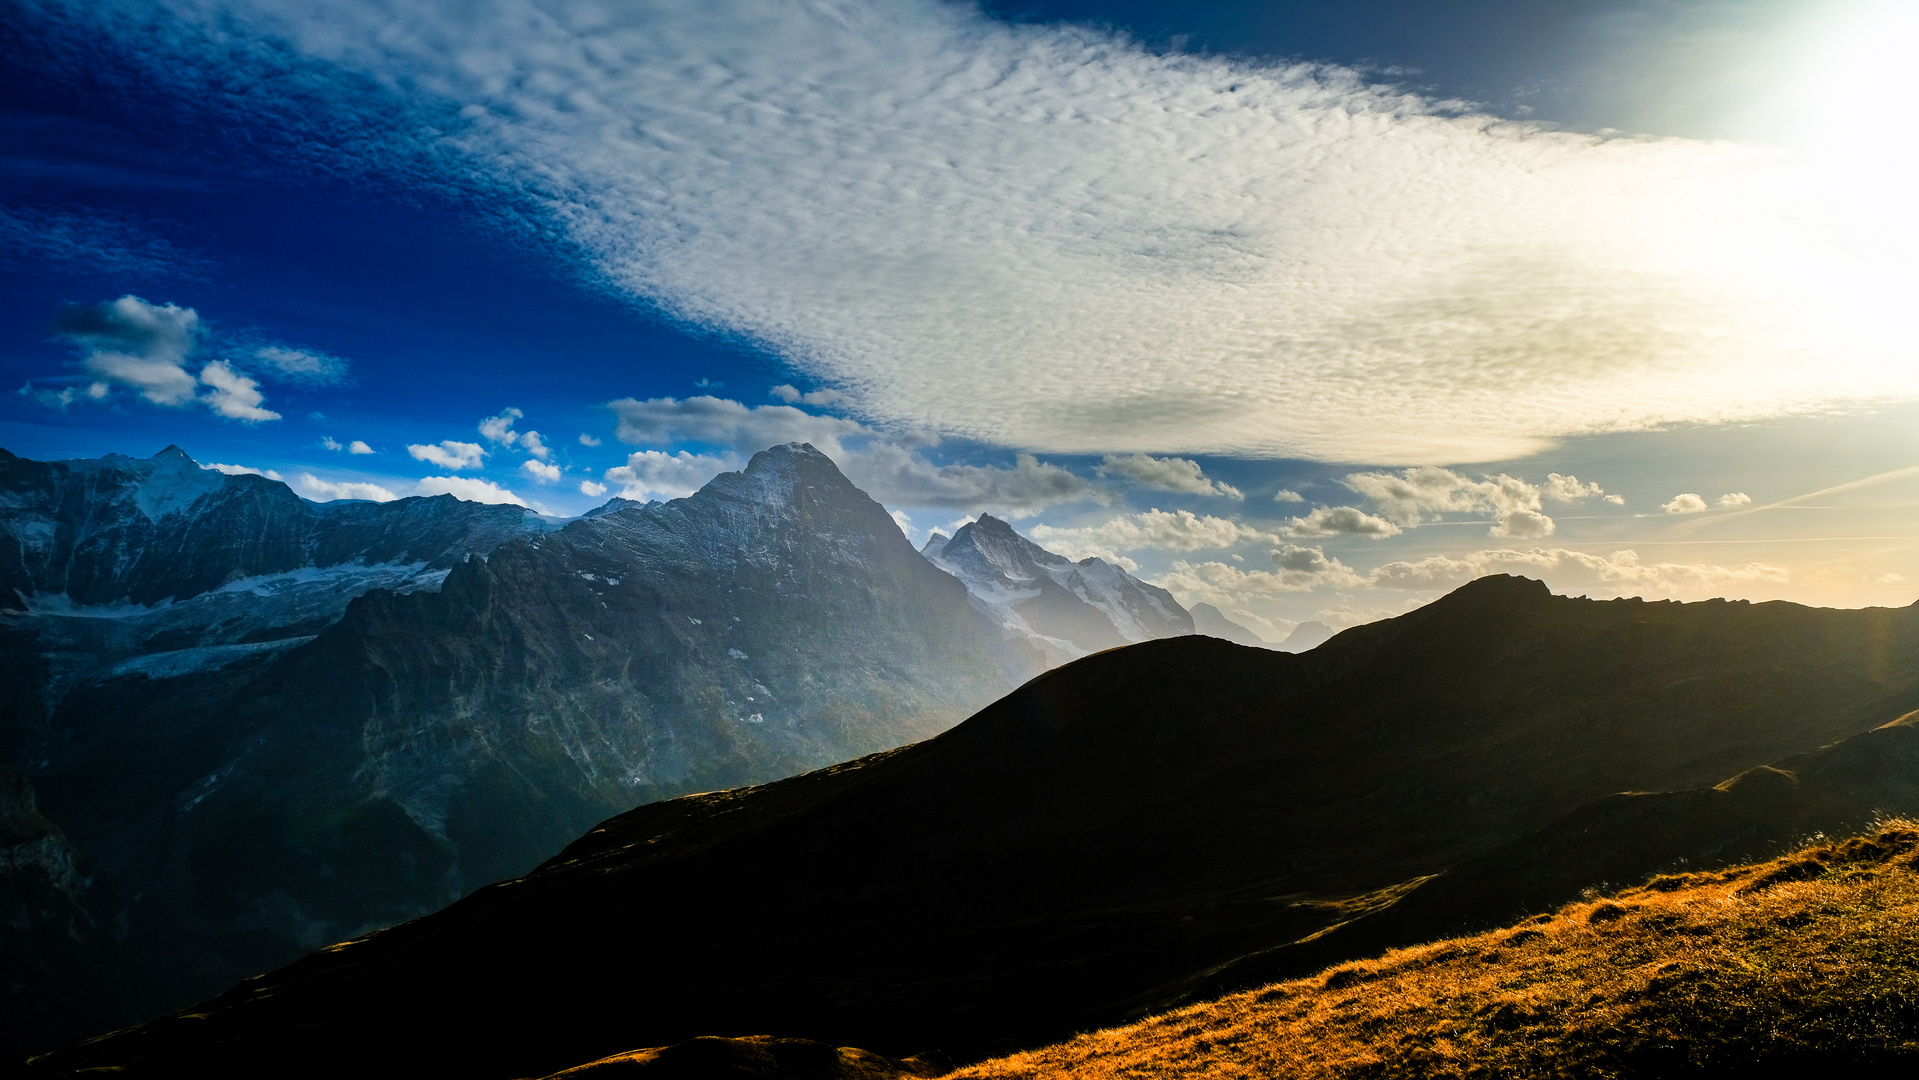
(1140, 829)
(245, 725)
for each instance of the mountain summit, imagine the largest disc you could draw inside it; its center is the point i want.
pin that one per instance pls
(1066, 609)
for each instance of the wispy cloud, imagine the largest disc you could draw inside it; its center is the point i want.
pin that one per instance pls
(320, 490)
(1179, 530)
(472, 489)
(653, 474)
(1166, 474)
(1048, 237)
(448, 454)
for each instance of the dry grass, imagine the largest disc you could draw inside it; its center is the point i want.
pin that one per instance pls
(1811, 959)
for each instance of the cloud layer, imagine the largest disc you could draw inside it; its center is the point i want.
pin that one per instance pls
(1046, 237)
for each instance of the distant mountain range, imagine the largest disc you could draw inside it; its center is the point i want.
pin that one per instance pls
(243, 725)
(1144, 826)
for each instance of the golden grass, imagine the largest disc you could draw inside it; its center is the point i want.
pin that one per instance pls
(1811, 959)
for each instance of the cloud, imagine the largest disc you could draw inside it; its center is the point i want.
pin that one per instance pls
(1296, 569)
(129, 342)
(792, 396)
(1413, 495)
(653, 474)
(328, 442)
(38, 239)
(1166, 474)
(1180, 530)
(591, 489)
(1732, 499)
(472, 489)
(498, 430)
(898, 475)
(302, 365)
(1687, 503)
(241, 470)
(1341, 520)
(358, 446)
(724, 422)
(533, 444)
(449, 455)
(540, 470)
(1282, 495)
(1566, 570)
(1047, 236)
(1568, 489)
(588, 440)
(320, 490)
(234, 395)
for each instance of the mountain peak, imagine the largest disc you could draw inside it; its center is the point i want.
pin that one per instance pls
(175, 455)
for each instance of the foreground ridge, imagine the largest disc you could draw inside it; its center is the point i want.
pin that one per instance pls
(1808, 959)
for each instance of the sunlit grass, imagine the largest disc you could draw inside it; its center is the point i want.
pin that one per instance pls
(1813, 957)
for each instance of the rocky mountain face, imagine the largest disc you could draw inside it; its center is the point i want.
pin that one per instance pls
(357, 721)
(1063, 608)
(1115, 836)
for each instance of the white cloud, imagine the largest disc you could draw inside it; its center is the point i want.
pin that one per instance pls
(1569, 570)
(1180, 530)
(1166, 474)
(905, 523)
(241, 470)
(533, 444)
(358, 446)
(449, 455)
(1688, 503)
(328, 442)
(129, 342)
(498, 430)
(588, 440)
(1282, 495)
(1568, 489)
(301, 365)
(1732, 499)
(320, 490)
(1296, 569)
(1413, 495)
(541, 471)
(472, 489)
(725, 422)
(1049, 237)
(653, 474)
(233, 394)
(792, 396)
(898, 475)
(589, 488)
(1341, 520)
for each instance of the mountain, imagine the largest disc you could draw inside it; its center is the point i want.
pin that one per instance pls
(1065, 609)
(1090, 848)
(1307, 635)
(1213, 622)
(460, 727)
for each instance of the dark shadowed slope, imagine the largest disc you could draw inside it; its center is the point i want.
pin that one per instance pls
(1111, 828)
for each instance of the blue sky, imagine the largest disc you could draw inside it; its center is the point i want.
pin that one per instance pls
(1488, 286)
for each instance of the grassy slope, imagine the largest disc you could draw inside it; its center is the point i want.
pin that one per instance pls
(1810, 959)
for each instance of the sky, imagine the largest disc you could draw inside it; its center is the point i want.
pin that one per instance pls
(1311, 311)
